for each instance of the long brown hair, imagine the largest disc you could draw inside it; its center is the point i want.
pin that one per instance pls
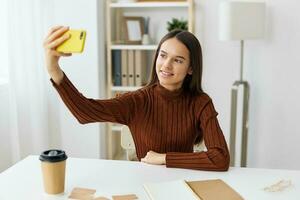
(191, 83)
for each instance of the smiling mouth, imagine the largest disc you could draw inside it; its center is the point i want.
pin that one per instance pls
(165, 74)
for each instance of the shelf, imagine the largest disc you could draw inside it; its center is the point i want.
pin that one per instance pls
(125, 88)
(135, 47)
(150, 5)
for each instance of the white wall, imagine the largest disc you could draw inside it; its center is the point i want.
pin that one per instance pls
(86, 71)
(273, 70)
(271, 67)
(5, 151)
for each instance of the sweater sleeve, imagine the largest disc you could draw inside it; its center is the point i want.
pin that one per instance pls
(216, 158)
(86, 110)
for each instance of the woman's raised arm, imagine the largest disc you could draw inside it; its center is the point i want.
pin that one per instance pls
(53, 39)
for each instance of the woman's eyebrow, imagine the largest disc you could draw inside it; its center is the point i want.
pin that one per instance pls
(175, 56)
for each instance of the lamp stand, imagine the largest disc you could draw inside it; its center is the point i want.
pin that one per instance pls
(237, 85)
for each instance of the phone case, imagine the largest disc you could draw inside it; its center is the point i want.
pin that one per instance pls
(75, 44)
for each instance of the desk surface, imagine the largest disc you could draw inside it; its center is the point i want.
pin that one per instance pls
(108, 177)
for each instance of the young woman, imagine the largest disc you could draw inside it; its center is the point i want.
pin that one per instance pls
(166, 117)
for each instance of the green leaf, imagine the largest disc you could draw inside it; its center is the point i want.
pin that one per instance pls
(177, 24)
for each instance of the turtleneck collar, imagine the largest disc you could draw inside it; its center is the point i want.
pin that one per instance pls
(165, 93)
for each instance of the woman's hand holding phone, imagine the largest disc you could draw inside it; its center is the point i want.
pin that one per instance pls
(54, 38)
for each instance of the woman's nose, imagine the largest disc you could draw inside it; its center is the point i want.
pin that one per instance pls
(167, 64)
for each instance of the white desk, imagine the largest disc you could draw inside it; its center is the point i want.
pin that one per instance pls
(24, 180)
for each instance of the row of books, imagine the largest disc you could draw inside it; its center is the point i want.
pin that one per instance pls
(129, 67)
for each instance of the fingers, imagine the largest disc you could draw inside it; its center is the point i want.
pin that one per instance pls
(56, 34)
(147, 158)
(55, 37)
(154, 158)
(53, 29)
(57, 42)
(66, 54)
(56, 53)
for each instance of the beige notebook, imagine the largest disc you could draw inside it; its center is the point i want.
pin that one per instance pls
(193, 190)
(214, 190)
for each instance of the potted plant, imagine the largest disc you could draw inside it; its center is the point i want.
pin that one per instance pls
(177, 24)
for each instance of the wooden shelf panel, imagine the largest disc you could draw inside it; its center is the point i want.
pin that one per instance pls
(150, 5)
(134, 47)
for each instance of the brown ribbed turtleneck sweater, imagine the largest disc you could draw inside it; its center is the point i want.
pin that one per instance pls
(159, 120)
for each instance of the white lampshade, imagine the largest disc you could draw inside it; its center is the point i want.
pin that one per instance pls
(240, 20)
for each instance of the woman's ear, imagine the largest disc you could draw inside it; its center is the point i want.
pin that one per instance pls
(190, 71)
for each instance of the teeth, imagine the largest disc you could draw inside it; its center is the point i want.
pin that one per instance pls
(166, 73)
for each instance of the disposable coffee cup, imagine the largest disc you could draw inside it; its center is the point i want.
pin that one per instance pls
(53, 163)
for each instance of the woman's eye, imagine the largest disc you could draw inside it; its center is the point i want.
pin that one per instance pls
(162, 55)
(178, 61)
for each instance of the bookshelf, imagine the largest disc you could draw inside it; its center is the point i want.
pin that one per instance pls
(152, 9)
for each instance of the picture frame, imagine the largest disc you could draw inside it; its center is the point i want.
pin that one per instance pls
(134, 29)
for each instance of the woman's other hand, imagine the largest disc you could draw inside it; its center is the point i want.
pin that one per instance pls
(154, 158)
(53, 39)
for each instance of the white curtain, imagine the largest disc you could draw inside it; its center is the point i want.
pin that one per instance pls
(29, 21)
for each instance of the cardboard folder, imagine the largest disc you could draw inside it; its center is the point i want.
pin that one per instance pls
(214, 190)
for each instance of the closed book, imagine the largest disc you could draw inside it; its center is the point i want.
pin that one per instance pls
(131, 67)
(117, 64)
(140, 68)
(124, 67)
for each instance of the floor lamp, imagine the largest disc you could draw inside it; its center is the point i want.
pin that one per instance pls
(240, 20)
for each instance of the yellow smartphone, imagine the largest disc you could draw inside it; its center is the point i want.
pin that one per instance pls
(75, 43)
